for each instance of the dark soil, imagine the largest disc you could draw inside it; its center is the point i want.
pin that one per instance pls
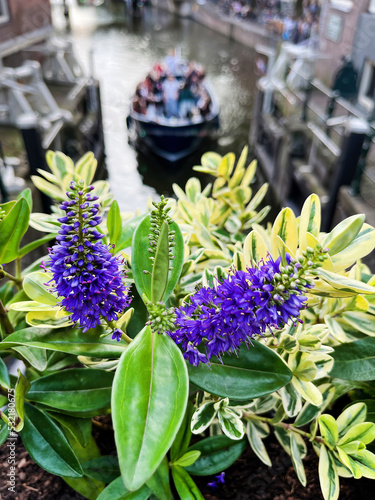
(247, 479)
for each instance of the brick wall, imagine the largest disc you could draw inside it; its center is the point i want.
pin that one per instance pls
(332, 22)
(25, 16)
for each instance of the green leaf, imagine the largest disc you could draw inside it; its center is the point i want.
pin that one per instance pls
(141, 259)
(79, 428)
(26, 193)
(182, 439)
(85, 167)
(328, 477)
(360, 321)
(283, 437)
(117, 491)
(328, 430)
(36, 244)
(4, 432)
(296, 457)
(363, 432)
(185, 486)
(149, 398)
(36, 357)
(127, 231)
(291, 399)
(255, 372)
(114, 223)
(4, 375)
(73, 390)
(309, 411)
(12, 229)
(188, 459)
(366, 463)
(48, 188)
(231, 424)
(217, 454)
(344, 284)
(71, 341)
(364, 404)
(310, 220)
(159, 482)
(105, 468)
(35, 286)
(160, 268)
(20, 391)
(203, 417)
(47, 444)
(257, 444)
(355, 360)
(343, 234)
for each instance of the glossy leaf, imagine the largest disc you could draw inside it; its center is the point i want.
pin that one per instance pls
(182, 439)
(363, 432)
(73, 390)
(257, 444)
(34, 285)
(12, 229)
(185, 486)
(47, 444)
(104, 468)
(343, 234)
(353, 415)
(117, 491)
(188, 459)
(361, 246)
(231, 424)
(296, 457)
(217, 454)
(328, 477)
(160, 268)
(4, 432)
(328, 430)
(79, 428)
(36, 357)
(366, 463)
(149, 398)
(255, 372)
(141, 259)
(159, 482)
(71, 341)
(203, 417)
(20, 392)
(285, 226)
(310, 220)
(254, 248)
(355, 360)
(291, 400)
(4, 375)
(114, 224)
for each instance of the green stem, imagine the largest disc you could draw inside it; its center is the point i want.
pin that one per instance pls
(288, 427)
(112, 324)
(4, 320)
(17, 281)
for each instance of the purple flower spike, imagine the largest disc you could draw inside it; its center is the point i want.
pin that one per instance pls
(220, 479)
(244, 305)
(85, 274)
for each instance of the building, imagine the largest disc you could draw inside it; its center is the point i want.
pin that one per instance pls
(46, 100)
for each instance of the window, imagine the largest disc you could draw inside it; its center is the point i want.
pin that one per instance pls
(366, 94)
(4, 11)
(371, 7)
(343, 5)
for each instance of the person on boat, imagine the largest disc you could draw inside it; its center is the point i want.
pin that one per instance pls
(171, 91)
(139, 102)
(172, 64)
(186, 101)
(204, 103)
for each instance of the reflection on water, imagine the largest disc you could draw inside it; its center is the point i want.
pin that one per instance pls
(124, 48)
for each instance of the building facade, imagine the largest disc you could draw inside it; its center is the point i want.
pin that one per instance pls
(23, 22)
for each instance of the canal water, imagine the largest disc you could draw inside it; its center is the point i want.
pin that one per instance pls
(123, 48)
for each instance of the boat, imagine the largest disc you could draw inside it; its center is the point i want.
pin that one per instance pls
(173, 137)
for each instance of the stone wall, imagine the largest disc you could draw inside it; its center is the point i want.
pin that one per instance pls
(26, 16)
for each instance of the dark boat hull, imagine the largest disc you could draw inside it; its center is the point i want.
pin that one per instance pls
(171, 142)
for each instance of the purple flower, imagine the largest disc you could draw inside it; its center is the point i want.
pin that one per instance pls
(116, 334)
(244, 305)
(85, 274)
(220, 478)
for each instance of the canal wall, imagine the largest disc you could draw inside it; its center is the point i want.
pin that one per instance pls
(247, 33)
